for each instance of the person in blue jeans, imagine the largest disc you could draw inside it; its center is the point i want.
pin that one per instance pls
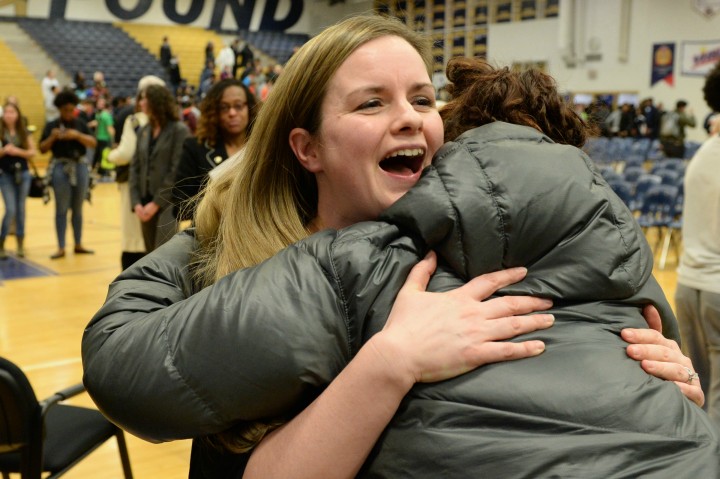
(68, 138)
(16, 147)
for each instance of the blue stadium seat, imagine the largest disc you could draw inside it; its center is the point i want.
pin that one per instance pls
(91, 46)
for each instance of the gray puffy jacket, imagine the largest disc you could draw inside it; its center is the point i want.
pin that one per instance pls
(164, 363)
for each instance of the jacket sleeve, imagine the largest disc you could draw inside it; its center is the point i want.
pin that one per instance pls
(188, 178)
(123, 153)
(260, 342)
(163, 195)
(135, 167)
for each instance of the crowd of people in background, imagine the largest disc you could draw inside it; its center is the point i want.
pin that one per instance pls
(233, 82)
(94, 136)
(644, 120)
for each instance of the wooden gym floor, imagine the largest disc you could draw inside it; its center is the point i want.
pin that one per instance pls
(45, 305)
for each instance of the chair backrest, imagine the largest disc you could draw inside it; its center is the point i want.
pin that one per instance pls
(669, 177)
(632, 173)
(660, 200)
(675, 164)
(19, 408)
(609, 173)
(624, 190)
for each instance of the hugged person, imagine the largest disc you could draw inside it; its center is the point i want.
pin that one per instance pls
(338, 331)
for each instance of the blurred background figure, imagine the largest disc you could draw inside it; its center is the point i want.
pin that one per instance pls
(226, 118)
(154, 165)
(225, 60)
(68, 138)
(104, 127)
(165, 53)
(672, 129)
(209, 52)
(697, 298)
(132, 241)
(16, 148)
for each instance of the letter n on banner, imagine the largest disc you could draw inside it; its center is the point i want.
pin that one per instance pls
(663, 63)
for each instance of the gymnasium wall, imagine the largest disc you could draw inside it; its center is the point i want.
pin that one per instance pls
(293, 16)
(599, 63)
(598, 36)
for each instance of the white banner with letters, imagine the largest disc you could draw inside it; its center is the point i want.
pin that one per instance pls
(699, 57)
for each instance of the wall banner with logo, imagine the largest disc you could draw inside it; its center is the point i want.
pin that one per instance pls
(663, 63)
(699, 57)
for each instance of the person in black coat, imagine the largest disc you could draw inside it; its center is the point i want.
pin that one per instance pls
(226, 117)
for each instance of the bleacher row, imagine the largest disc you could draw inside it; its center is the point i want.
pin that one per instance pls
(278, 45)
(96, 46)
(650, 184)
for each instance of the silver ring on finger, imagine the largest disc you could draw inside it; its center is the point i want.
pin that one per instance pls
(691, 375)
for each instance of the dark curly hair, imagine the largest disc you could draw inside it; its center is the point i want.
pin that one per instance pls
(161, 105)
(208, 125)
(711, 90)
(483, 94)
(65, 97)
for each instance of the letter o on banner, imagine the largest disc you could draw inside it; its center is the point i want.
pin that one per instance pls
(141, 8)
(170, 9)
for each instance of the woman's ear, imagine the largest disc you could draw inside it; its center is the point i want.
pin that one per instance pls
(305, 149)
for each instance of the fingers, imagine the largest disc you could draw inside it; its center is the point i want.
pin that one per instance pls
(679, 375)
(508, 306)
(419, 276)
(652, 352)
(507, 328)
(662, 358)
(693, 392)
(498, 352)
(652, 316)
(647, 337)
(485, 285)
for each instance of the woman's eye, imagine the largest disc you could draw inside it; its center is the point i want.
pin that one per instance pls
(424, 101)
(374, 103)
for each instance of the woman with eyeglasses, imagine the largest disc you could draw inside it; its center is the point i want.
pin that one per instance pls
(226, 118)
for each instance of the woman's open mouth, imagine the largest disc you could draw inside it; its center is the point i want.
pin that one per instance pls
(404, 162)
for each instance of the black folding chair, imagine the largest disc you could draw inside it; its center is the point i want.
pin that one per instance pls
(38, 437)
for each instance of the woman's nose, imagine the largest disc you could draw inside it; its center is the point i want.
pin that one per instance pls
(408, 118)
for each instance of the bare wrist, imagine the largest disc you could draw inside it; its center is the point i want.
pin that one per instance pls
(390, 361)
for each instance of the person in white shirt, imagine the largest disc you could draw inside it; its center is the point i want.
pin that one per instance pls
(225, 59)
(47, 85)
(697, 297)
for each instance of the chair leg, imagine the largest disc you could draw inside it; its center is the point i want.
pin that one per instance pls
(665, 248)
(124, 457)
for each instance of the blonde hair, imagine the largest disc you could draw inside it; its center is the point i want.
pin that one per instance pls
(264, 203)
(253, 211)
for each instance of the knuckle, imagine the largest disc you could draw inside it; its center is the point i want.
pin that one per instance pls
(512, 303)
(507, 350)
(516, 324)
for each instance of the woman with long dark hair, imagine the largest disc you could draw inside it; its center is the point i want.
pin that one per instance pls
(226, 117)
(152, 171)
(16, 147)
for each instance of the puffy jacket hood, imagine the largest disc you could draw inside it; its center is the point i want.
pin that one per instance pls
(511, 211)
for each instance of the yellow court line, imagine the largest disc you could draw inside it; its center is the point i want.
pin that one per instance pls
(51, 364)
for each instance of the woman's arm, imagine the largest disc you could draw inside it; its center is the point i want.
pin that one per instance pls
(428, 337)
(85, 139)
(48, 139)
(123, 153)
(188, 177)
(26, 153)
(205, 358)
(163, 196)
